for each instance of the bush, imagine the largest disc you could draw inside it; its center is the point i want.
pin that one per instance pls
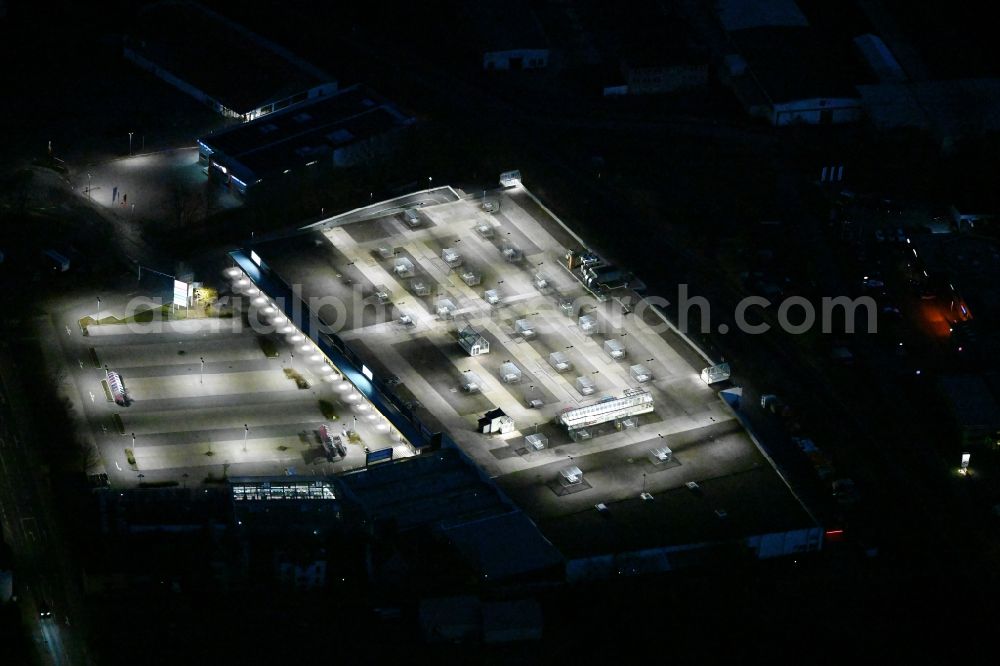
(268, 347)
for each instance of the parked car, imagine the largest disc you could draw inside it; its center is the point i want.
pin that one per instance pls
(873, 282)
(845, 492)
(773, 404)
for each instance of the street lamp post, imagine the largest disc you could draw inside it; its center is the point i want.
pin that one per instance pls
(98, 309)
(130, 143)
(246, 433)
(201, 380)
(89, 195)
(430, 179)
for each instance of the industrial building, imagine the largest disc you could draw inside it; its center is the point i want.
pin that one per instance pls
(783, 70)
(656, 53)
(507, 35)
(618, 399)
(346, 128)
(222, 64)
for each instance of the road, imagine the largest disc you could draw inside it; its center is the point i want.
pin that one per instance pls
(44, 573)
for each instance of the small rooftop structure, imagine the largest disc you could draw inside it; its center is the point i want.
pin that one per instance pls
(491, 296)
(471, 277)
(533, 397)
(560, 362)
(510, 373)
(473, 342)
(419, 287)
(411, 217)
(451, 257)
(713, 374)
(615, 349)
(640, 373)
(485, 230)
(570, 476)
(445, 308)
(525, 328)
(496, 421)
(510, 178)
(661, 455)
(587, 324)
(536, 442)
(511, 252)
(403, 267)
(585, 385)
(632, 403)
(471, 382)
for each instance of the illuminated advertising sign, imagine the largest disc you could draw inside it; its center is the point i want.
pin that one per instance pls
(180, 293)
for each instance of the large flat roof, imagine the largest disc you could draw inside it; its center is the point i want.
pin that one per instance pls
(238, 68)
(313, 130)
(795, 63)
(337, 263)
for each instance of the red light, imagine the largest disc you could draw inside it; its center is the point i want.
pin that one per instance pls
(834, 532)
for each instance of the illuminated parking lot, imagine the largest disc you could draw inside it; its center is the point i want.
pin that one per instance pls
(205, 401)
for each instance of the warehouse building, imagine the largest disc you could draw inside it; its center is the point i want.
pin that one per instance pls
(338, 130)
(784, 70)
(222, 64)
(509, 35)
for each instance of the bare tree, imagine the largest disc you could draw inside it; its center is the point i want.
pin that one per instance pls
(187, 206)
(86, 457)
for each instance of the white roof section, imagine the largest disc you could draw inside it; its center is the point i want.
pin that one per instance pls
(635, 401)
(745, 14)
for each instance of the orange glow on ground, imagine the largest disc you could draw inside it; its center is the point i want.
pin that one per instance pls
(935, 319)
